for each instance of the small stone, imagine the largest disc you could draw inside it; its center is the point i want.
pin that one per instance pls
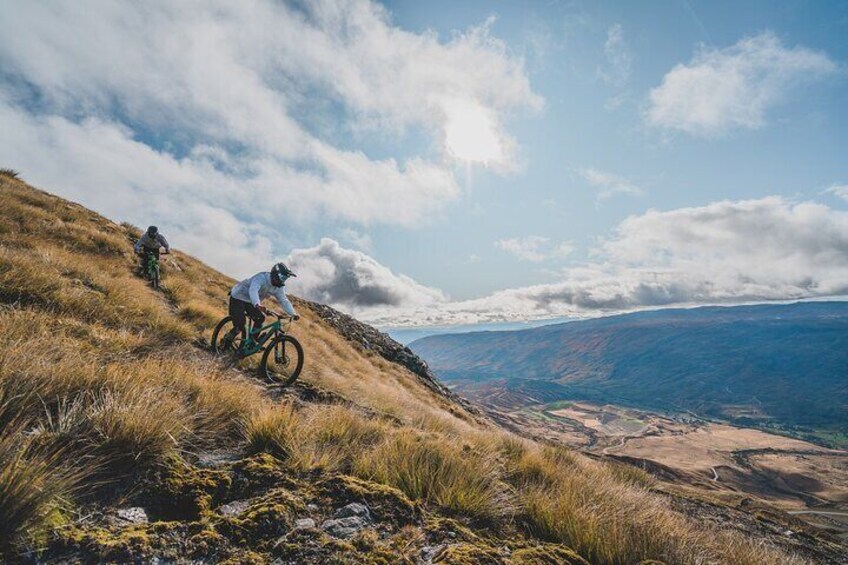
(353, 509)
(233, 508)
(344, 528)
(213, 459)
(312, 507)
(133, 515)
(304, 523)
(429, 552)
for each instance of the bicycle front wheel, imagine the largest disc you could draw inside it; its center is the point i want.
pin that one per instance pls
(282, 361)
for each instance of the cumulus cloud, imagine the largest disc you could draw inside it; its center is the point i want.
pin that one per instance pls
(360, 240)
(609, 184)
(726, 252)
(535, 248)
(354, 281)
(243, 115)
(732, 88)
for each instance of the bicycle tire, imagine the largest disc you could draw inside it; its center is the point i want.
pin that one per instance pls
(272, 375)
(217, 345)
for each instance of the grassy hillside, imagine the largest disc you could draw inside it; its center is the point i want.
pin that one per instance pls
(123, 439)
(782, 364)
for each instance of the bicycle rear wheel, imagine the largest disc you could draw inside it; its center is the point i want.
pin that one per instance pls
(226, 338)
(282, 361)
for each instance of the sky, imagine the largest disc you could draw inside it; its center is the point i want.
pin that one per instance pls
(442, 162)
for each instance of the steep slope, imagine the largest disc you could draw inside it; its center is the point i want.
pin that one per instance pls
(122, 439)
(784, 364)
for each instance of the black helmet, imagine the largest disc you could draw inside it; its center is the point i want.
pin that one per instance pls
(279, 274)
(152, 231)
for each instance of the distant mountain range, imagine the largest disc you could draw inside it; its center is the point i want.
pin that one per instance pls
(768, 364)
(407, 334)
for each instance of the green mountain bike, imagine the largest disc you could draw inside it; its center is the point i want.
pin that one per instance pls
(282, 354)
(152, 271)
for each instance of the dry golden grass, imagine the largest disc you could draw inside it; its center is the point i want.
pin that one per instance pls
(332, 437)
(457, 480)
(273, 431)
(102, 369)
(610, 516)
(33, 485)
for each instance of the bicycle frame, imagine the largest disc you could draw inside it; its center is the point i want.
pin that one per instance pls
(278, 326)
(152, 261)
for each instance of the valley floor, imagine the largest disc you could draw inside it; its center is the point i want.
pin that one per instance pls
(805, 480)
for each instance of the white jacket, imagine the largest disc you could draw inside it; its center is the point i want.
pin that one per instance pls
(259, 286)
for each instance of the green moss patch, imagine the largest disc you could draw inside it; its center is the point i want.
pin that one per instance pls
(179, 491)
(264, 521)
(469, 554)
(388, 505)
(257, 474)
(101, 544)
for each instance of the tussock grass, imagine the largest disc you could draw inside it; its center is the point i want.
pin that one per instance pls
(10, 173)
(273, 431)
(631, 475)
(216, 404)
(459, 481)
(199, 314)
(34, 485)
(136, 426)
(56, 280)
(332, 437)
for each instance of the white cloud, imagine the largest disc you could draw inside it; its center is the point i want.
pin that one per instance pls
(839, 190)
(534, 248)
(353, 281)
(246, 114)
(360, 240)
(732, 88)
(619, 61)
(725, 252)
(609, 184)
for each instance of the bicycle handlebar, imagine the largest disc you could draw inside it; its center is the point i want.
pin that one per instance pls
(280, 316)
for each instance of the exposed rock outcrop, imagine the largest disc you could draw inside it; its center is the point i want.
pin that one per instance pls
(370, 338)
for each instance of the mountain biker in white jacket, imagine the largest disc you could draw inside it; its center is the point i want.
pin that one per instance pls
(148, 243)
(246, 298)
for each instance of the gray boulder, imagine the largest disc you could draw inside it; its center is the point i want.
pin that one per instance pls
(348, 520)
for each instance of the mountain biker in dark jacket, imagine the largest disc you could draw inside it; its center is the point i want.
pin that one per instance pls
(246, 298)
(148, 243)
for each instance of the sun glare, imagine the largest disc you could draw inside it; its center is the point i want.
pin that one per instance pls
(471, 133)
